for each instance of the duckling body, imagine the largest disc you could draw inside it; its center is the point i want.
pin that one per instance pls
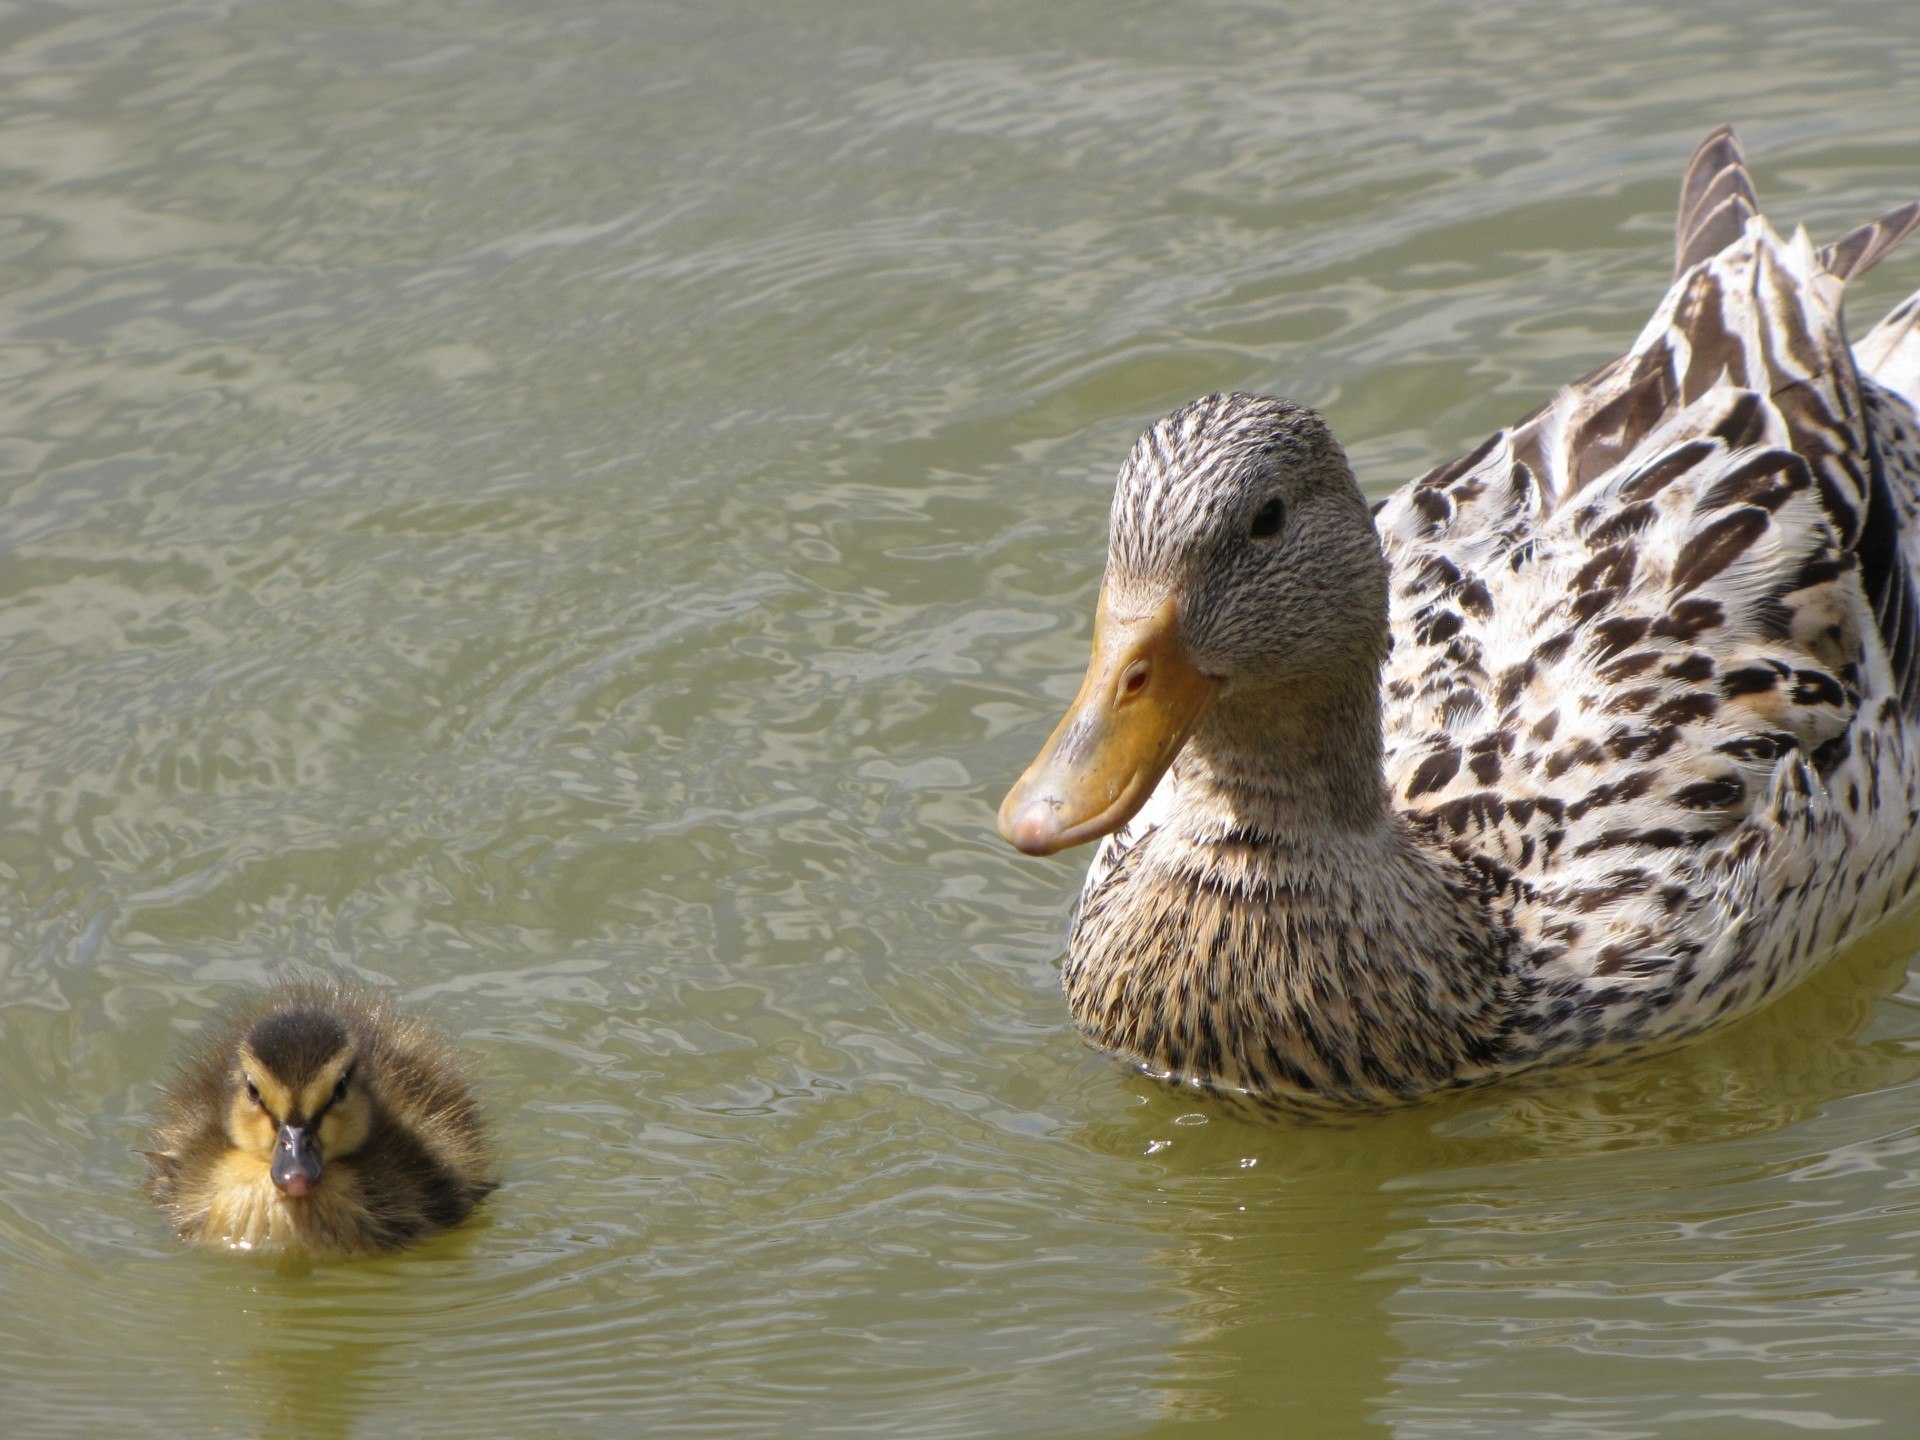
(318, 1117)
(1599, 736)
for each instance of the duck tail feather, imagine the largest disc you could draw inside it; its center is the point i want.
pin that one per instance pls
(1716, 200)
(1859, 250)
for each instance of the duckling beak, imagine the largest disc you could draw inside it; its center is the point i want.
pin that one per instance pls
(1140, 700)
(296, 1160)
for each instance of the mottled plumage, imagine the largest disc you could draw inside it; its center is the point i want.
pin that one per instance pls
(1611, 734)
(317, 1117)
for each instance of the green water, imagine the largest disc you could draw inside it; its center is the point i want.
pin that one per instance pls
(575, 512)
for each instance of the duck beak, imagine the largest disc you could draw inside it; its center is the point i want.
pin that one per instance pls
(296, 1160)
(1140, 700)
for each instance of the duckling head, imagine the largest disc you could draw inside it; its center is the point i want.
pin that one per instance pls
(298, 1099)
(1244, 582)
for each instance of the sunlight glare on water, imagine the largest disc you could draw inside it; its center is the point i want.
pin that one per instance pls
(575, 513)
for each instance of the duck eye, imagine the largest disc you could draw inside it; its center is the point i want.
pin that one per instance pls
(340, 1090)
(253, 1093)
(1268, 519)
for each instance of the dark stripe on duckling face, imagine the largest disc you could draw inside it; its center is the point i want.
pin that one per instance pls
(296, 1124)
(297, 1165)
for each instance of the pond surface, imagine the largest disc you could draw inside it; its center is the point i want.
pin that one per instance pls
(575, 513)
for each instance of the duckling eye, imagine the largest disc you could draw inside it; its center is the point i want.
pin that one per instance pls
(340, 1090)
(1268, 519)
(253, 1094)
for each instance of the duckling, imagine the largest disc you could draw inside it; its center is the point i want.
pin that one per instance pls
(318, 1117)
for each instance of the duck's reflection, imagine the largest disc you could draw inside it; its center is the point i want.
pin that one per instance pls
(323, 1346)
(1294, 1250)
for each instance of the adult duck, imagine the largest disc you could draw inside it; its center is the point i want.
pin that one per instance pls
(1598, 736)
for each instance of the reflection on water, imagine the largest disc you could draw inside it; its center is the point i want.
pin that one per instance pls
(575, 513)
(1381, 1276)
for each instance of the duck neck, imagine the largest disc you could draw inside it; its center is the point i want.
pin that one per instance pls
(1265, 767)
(1283, 931)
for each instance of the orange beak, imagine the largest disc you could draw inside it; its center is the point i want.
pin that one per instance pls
(1140, 700)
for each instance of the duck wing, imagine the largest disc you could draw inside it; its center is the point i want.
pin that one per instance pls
(1640, 636)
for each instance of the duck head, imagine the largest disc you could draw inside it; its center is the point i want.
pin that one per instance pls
(298, 1100)
(1244, 584)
